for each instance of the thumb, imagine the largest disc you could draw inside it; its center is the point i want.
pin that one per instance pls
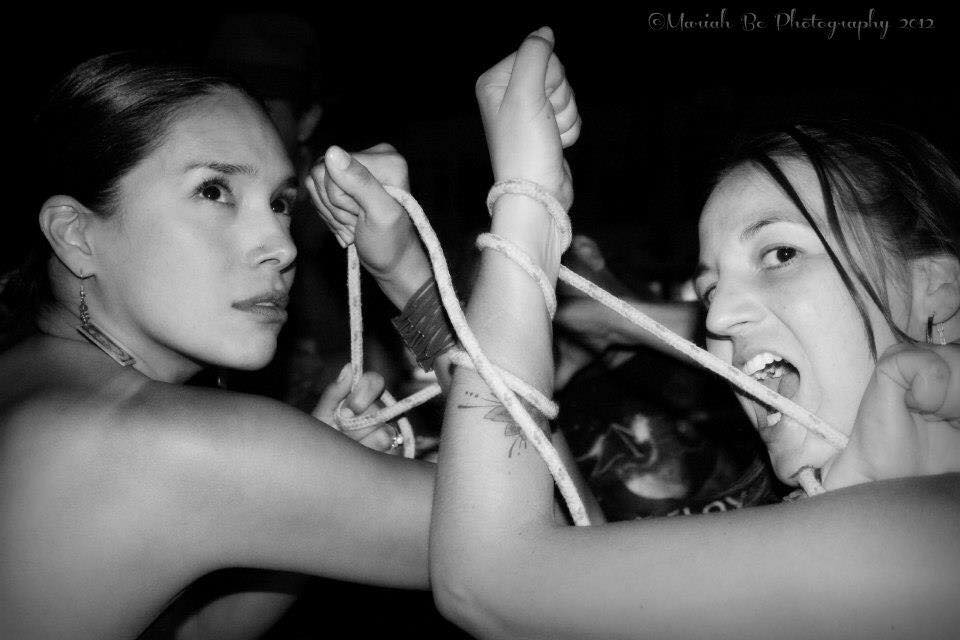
(335, 392)
(530, 66)
(356, 180)
(931, 387)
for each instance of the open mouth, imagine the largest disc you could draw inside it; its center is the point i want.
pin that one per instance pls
(775, 373)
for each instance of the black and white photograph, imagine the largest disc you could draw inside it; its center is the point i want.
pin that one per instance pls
(480, 321)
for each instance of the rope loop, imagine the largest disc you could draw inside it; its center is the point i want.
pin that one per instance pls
(536, 192)
(504, 385)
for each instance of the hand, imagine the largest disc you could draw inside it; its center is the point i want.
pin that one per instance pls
(530, 115)
(361, 401)
(348, 191)
(909, 418)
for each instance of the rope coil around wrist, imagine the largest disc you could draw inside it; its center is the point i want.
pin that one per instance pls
(504, 386)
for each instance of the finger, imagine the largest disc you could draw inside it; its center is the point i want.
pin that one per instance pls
(386, 165)
(529, 74)
(382, 147)
(368, 389)
(333, 394)
(346, 207)
(932, 388)
(567, 117)
(559, 93)
(335, 227)
(571, 135)
(338, 230)
(342, 208)
(358, 183)
(343, 223)
(380, 439)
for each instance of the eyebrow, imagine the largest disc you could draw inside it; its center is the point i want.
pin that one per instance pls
(227, 168)
(753, 229)
(230, 169)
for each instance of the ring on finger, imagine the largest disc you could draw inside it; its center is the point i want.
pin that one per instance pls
(397, 440)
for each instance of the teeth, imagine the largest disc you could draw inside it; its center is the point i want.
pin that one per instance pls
(755, 366)
(773, 418)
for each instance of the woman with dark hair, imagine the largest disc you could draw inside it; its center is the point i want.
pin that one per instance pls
(166, 248)
(830, 271)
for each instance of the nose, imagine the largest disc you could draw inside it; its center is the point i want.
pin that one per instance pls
(273, 246)
(734, 308)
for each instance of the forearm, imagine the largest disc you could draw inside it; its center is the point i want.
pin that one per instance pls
(604, 327)
(492, 486)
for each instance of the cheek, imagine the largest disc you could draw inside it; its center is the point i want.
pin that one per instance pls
(169, 268)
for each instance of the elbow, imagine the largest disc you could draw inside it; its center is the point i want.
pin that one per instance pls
(467, 600)
(456, 603)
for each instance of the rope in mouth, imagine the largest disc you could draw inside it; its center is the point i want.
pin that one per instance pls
(506, 388)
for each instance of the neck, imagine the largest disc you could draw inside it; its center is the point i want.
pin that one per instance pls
(156, 363)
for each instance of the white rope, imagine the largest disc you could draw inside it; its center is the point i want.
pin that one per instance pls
(504, 385)
(483, 366)
(708, 361)
(394, 408)
(522, 260)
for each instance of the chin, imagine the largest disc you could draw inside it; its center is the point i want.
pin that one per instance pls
(246, 355)
(253, 361)
(786, 464)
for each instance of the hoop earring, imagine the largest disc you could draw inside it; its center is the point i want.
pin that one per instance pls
(97, 337)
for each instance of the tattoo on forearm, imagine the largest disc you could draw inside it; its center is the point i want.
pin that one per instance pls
(496, 412)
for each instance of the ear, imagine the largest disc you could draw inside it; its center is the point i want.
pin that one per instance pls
(65, 223)
(936, 287)
(308, 122)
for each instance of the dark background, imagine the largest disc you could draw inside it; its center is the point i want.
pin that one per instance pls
(658, 107)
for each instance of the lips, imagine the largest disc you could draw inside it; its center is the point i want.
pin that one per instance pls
(269, 307)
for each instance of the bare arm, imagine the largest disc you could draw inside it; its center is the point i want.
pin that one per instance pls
(600, 327)
(881, 560)
(274, 488)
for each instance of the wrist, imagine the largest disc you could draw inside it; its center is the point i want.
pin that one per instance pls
(406, 277)
(526, 223)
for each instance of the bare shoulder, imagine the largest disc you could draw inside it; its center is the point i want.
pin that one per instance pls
(107, 477)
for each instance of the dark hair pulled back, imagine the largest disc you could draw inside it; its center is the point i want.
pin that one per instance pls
(98, 122)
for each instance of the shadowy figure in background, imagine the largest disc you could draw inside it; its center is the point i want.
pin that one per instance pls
(651, 434)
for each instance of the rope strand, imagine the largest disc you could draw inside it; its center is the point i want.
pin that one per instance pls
(504, 385)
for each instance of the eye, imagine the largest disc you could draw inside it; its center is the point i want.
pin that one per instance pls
(281, 206)
(778, 256)
(214, 189)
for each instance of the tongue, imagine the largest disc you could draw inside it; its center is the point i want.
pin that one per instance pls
(789, 383)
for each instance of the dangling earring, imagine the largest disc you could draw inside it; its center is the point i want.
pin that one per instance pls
(84, 311)
(93, 333)
(940, 337)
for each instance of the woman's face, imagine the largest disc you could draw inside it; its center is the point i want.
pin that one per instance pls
(197, 264)
(778, 309)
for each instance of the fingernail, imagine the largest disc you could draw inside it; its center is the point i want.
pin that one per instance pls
(344, 373)
(543, 32)
(337, 158)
